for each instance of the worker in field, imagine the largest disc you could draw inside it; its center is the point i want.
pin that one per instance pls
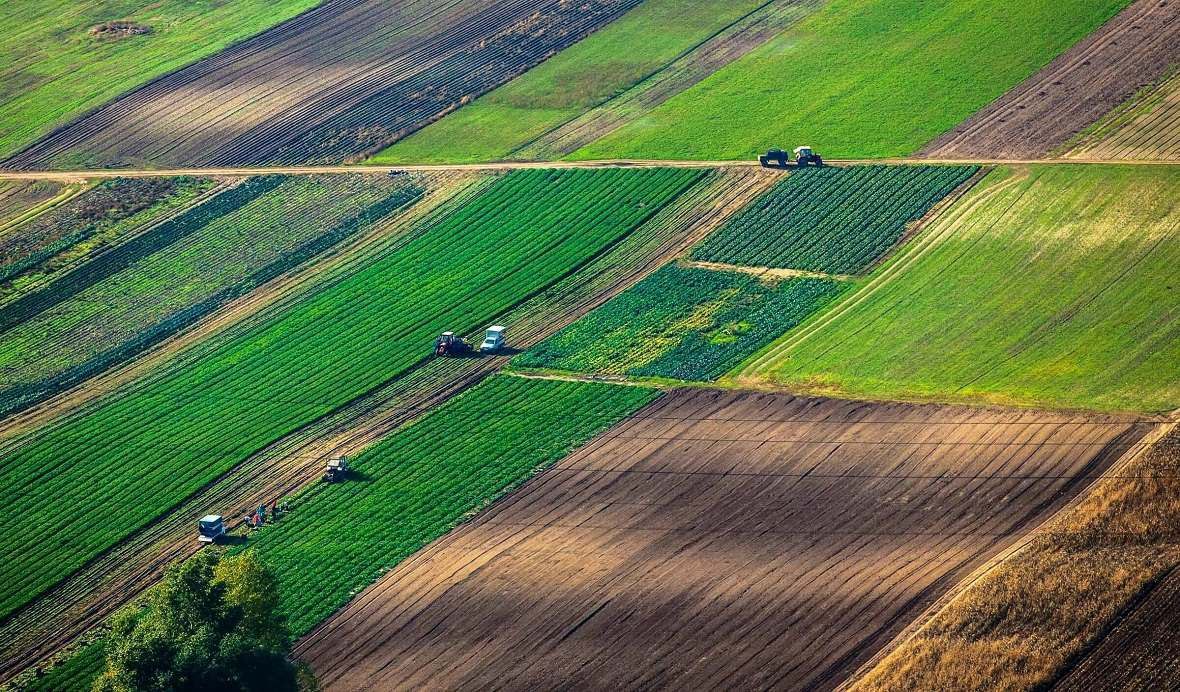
(262, 514)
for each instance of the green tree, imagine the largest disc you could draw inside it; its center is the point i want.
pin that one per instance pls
(213, 624)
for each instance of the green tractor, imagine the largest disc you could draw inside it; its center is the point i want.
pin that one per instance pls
(777, 158)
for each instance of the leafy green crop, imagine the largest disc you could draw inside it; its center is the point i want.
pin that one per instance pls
(423, 479)
(87, 483)
(149, 287)
(834, 220)
(684, 323)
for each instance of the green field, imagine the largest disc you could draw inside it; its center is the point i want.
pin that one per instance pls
(1051, 286)
(683, 323)
(52, 69)
(604, 64)
(133, 295)
(119, 465)
(832, 220)
(861, 79)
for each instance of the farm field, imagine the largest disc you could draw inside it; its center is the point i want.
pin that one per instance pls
(665, 45)
(340, 81)
(87, 596)
(1070, 94)
(1087, 603)
(1147, 127)
(710, 537)
(67, 234)
(860, 79)
(60, 59)
(22, 197)
(289, 371)
(1046, 285)
(109, 309)
(831, 220)
(681, 322)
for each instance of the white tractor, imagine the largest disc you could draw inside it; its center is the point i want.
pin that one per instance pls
(336, 470)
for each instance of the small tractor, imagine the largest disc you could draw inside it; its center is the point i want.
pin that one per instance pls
(493, 340)
(210, 528)
(336, 470)
(450, 345)
(777, 158)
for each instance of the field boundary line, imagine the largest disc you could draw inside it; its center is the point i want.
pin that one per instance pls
(74, 176)
(919, 623)
(770, 273)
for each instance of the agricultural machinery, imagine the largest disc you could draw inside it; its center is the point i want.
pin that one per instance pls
(336, 470)
(447, 344)
(777, 158)
(210, 528)
(493, 340)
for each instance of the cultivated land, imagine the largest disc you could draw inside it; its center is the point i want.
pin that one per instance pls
(1051, 286)
(60, 59)
(87, 595)
(831, 220)
(1146, 127)
(859, 78)
(657, 49)
(111, 308)
(1133, 50)
(685, 323)
(22, 197)
(195, 423)
(344, 79)
(1088, 603)
(717, 539)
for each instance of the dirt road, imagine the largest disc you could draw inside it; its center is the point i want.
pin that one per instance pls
(717, 539)
(75, 176)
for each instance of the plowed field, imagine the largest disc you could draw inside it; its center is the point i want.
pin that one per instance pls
(717, 540)
(1145, 128)
(1140, 653)
(1075, 90)
(347, 77)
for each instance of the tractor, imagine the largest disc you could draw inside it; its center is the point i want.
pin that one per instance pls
(336, 470)
(447, 344)
(777, 158)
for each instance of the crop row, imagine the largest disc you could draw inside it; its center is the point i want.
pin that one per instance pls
(684, 323)
(122, 463)
(87, 223)
(834, 220)
(421, 480)
(167, 279)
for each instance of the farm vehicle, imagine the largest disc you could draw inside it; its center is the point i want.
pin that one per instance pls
(777, 158)
(336, 470)
(449, 345)
(210, 528)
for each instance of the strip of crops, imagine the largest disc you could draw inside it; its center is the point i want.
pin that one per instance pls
(162, 281)
(418, 483)
(93, 220)
(120, 464)
(834, 220)
(684, 323)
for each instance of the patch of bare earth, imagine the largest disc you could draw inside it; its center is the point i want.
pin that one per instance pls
(717, 540)
(1132, 50)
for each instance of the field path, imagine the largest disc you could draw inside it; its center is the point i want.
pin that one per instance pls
(81, 175)
(718, 539)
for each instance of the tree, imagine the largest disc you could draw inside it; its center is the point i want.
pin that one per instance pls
(213, 624)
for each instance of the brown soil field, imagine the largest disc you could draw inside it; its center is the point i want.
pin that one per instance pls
(1142, 652)
(343, 79)
(717, 540)
(20, 199)
(1145, 127)
(87, 597)
(1131, 51)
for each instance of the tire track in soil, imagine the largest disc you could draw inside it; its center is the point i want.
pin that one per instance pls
(86, 598)
(680, 553)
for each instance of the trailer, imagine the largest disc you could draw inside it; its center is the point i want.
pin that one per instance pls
(210, 528)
